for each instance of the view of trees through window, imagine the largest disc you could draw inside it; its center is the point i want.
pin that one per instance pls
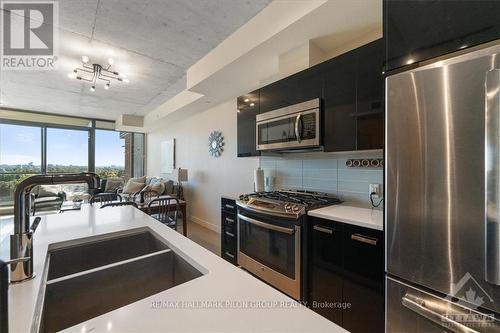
(110, 153)
(67, 151)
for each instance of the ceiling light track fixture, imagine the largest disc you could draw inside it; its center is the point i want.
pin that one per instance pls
(94, 72)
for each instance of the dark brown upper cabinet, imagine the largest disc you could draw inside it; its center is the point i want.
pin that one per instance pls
(300, 87)
(370, 96)
(339, 101)
(248, 107)
(354, 99)
(351, 89)
(421, 30)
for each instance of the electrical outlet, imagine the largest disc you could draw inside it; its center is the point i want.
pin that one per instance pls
(374, 188)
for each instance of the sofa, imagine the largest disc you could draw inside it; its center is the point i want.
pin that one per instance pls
(140, 184)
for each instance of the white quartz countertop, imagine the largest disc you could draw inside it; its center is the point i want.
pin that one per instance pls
(224, 299)
(363, 217)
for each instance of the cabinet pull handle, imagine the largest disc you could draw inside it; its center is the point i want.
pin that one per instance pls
(229, 206)
(324, 229)
(364, 239)
(229, 255)
(229, 234)
(229, 220)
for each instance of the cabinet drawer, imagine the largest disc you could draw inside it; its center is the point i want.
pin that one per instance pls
(228, 205)
(230, 256)
(229, 248)
(228, 219)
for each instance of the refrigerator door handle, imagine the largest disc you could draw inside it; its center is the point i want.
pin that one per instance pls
(417, 305)
(492, 177)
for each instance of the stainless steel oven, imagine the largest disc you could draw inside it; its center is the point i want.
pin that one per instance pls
(270, 248)
(293, 127)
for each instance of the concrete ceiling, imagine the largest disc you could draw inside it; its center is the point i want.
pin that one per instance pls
(154, 42)
(234, 68)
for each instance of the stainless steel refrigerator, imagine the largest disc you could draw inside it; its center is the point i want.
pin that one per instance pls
(443, 194)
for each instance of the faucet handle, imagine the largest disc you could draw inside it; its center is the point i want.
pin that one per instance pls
(35, 223)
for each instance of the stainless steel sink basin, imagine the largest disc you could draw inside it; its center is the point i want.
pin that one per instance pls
(97, 289)
(98, 253)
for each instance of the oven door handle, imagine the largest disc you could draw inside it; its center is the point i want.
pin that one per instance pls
(267, 225)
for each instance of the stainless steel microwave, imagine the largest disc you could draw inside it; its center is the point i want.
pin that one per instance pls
(292, 127)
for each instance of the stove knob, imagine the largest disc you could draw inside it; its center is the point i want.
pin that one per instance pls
(295, 208)
(242, 197)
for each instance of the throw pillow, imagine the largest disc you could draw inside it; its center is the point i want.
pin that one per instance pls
(169, 187)
(112, 184)
(157, 187)
(138, 180)
(132, 187)
(48, 190)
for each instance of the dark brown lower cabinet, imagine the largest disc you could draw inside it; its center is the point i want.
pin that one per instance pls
(326, 273)
(347, 275)
(229, 232)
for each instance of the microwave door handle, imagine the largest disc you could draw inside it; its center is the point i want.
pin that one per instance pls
(492, 177)
(297, 128)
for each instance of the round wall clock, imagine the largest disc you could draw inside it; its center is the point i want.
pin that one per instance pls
(215, 143)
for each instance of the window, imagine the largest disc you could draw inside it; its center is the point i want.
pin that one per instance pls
(109, 153)
(36, 143)
(20, 157)
(67, 150)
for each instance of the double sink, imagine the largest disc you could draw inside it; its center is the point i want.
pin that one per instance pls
(89, 279)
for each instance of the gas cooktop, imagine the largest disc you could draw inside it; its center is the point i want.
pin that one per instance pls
(292, 203)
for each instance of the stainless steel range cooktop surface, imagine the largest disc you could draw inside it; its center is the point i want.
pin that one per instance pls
(286, 203)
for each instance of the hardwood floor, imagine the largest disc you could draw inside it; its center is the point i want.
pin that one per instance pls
(207, 238)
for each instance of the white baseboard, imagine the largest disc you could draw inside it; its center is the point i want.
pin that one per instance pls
(205, 224)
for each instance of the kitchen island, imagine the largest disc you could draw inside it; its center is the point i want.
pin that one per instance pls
(224, 299)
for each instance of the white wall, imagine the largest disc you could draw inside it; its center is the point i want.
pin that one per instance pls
(209, 177)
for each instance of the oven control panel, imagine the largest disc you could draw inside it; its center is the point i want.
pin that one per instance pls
(273, 206)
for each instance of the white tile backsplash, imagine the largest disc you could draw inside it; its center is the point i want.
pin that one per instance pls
(324, 172)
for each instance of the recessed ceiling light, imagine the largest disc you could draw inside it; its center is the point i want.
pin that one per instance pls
(246, 100)
(252, 104)
(85, 59)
